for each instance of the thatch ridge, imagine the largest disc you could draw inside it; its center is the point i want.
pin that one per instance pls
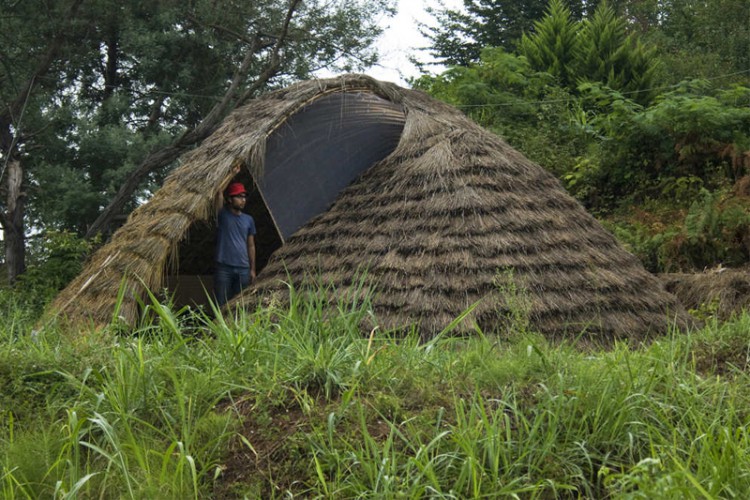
(437, 224)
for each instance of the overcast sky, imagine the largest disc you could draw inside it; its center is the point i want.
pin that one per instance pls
(402, 39)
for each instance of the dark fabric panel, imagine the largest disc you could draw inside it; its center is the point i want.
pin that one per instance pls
(320, 150)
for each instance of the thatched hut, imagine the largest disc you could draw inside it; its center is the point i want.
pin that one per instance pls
(353, 174)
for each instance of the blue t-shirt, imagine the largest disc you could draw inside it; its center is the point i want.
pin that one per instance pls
(231, 238)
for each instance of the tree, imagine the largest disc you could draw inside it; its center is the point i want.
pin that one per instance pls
(598, 49)
(554, 47)
(704, 39)
(129, 86)
(461, 35)
(26, 67)
(608, 54)
(696, 38)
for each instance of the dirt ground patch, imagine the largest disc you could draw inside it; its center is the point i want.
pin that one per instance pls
(266, 448)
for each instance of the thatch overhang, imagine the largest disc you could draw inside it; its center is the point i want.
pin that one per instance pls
(450, 217)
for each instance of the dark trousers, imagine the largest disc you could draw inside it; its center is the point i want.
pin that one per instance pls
(229, 281)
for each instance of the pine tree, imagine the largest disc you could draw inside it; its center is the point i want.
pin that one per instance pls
(461, 35)
(608, 54)
(554, 47)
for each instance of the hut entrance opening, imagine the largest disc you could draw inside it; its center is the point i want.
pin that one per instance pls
(192, 275)
(310, 158)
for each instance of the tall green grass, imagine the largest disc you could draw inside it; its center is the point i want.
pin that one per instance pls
(299, 400)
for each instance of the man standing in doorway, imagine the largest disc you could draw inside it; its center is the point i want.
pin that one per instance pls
(235, 246)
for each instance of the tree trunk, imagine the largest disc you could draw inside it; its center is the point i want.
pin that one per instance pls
(11, 118)
(15, 239)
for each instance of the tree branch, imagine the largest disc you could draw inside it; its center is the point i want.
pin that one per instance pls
(234, 34)
(155, 114)
(274, 61)
(206, 127)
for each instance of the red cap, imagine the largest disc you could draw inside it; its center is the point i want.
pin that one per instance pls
(235, 188)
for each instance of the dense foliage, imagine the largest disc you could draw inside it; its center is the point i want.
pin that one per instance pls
(595, 50)
(663, 162)
(696, 38)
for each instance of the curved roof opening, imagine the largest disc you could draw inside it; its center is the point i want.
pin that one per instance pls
(310, 158)
(320, 150)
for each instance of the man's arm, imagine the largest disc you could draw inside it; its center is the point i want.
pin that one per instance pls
(218, 203)
(251, 256)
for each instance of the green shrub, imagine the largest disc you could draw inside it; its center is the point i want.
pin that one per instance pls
(54, 262)
(711, 232)
(692, 136)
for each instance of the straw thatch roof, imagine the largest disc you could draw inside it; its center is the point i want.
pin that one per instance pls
(722, 292)
(452, 216)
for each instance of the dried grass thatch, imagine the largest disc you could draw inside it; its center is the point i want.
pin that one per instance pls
(722, 292)
(450, 218)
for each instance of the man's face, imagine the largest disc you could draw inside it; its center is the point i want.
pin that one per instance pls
(238, 202)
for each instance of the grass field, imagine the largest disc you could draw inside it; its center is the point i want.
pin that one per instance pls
(296, 402)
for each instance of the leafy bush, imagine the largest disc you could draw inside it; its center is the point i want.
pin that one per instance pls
(714, 230)
(691, 136)
(712, 233)
(55, 261)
